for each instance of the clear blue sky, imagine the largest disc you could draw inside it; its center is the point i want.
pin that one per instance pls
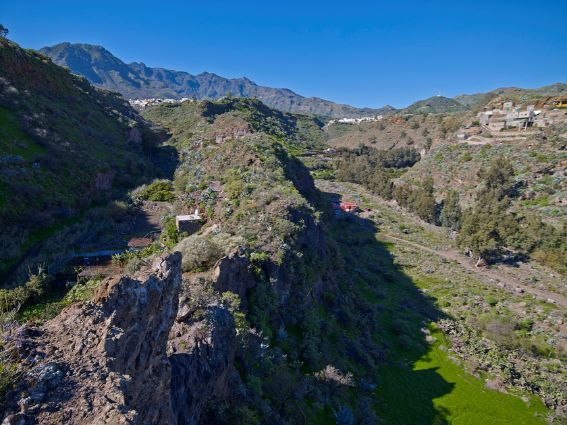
(365, 53)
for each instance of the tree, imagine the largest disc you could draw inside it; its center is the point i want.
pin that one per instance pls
(451, 213)
(479, 234)
(488, 226)
(333, 379)
(497, 179)
(3, 31)
(381, 184)
(422, 201)
(402, 194)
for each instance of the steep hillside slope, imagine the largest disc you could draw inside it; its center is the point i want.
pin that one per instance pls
(539, 162)
(420, 131)
(64, 145)
(137, 81)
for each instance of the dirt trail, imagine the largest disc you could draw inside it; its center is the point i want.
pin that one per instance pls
(488, 276)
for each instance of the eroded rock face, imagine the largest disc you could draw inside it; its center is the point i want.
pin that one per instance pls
(202, 358)
(105, 361)
(232, 273)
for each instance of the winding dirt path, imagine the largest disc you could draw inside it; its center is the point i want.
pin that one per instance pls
(488, 276)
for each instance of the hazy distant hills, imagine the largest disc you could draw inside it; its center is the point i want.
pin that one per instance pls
(138, 81)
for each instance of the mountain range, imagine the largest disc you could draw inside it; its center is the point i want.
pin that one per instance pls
(138, 81)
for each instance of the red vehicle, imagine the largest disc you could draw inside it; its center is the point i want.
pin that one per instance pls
(348, 206)
(345, 206)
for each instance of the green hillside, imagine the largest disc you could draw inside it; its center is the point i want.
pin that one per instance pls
(64, 146)
(435, 105)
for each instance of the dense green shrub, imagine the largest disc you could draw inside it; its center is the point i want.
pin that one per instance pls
(374, 168)
(199, 253)
(32, 290)
(159, 190)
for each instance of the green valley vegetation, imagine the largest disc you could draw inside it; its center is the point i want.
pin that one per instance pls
(501, 336)
(485, 229)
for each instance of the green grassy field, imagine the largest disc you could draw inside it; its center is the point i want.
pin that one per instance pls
(436, 390)
(420, 383)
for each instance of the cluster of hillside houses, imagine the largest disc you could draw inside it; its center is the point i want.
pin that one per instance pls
(144, 103)
(355, 120)
(510, 116)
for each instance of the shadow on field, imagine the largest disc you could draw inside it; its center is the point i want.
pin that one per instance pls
(395, 325)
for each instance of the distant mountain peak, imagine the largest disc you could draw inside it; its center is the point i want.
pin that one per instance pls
(138, 81)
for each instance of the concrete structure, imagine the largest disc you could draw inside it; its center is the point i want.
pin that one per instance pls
(190, 223)
(508, 117)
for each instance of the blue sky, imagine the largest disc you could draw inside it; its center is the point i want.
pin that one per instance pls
(365, 53)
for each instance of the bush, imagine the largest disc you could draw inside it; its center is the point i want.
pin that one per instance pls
(8, 373)
(451, 212)
(159, 190)
(117, 211)
(169, 234)
(33, 289)
(491, 300)
(199, 253)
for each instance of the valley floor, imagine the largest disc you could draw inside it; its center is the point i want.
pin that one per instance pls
(444, 382)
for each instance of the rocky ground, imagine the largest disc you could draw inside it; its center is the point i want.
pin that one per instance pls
(128, 356)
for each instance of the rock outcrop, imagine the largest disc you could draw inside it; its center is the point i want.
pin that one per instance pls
(105, 361)
(202, 362)
(232, 273)
(129, 356)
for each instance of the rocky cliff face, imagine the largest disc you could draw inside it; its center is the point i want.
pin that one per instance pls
(106, 361)
(202, 362)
